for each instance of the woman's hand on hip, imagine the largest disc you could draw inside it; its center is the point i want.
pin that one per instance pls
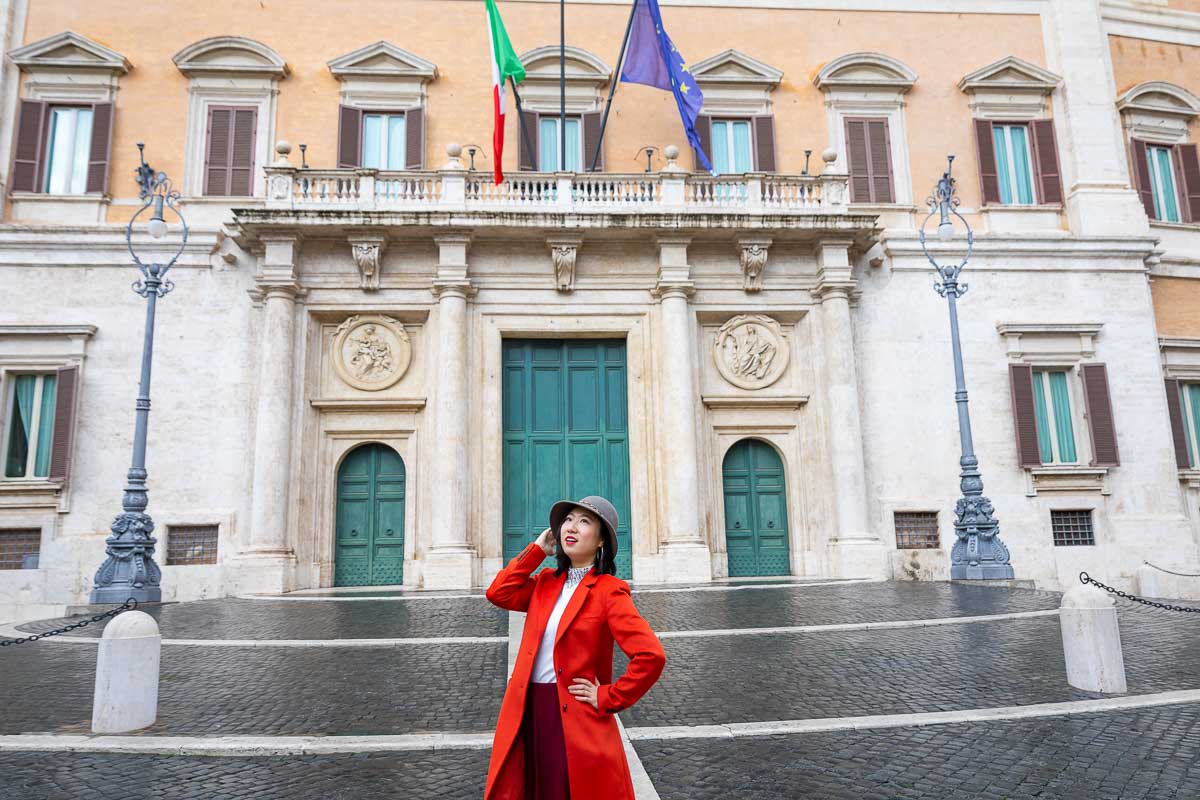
(546, 542)
(585, 691)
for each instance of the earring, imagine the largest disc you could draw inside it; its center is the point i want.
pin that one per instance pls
(600, 558)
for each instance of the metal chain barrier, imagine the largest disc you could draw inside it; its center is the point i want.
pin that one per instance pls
(1171, 572)
(128, 605)
(1085, 578)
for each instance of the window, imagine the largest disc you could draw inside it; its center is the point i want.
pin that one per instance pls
(20, 547)
(191, 544)
(731, 146)
(549, 139)
(1052, 409)
(384, 137)
(916, 530)
(67, 152)
(229, 167)
(1162, 183)
(29, 434)
(1072, 528)
(1189, 401)
(1011, 143)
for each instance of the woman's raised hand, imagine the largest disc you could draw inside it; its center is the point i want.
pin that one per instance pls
(546, 542)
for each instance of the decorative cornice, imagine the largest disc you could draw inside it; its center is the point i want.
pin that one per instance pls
(581, 65)
(403, 64)
(383, 404)
(1179, 102)
(48, 330)
(69, 50)
(866, 70)
(1011, 74)
(208, 56)
(748, 71)
(790, 401)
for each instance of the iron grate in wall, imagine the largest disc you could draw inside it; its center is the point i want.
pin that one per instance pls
(1072, 528)
(916, 530)
(191, 544)
(19, 546)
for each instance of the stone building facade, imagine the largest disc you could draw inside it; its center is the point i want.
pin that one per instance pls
(378, 367)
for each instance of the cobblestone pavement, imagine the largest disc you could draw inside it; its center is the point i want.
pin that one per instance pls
(900, 671)
(378, 776)
(1151, 754)
(269, 691)
(285, 619)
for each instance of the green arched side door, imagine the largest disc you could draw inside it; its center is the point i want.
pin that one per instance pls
(369, 540)
(566, 434)
(756, 529)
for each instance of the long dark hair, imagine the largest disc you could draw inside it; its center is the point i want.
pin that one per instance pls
(605, 566)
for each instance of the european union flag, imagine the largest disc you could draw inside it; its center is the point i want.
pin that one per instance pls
(652, 59)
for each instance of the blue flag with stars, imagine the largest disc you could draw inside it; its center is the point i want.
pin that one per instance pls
(651, 59)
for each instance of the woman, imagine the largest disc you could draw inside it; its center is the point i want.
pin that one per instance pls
(557, 736)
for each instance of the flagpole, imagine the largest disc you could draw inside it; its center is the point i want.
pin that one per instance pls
(562, 84)
(524, 130)
(612, 89)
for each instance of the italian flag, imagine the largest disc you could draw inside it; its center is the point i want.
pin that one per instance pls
(505, 65)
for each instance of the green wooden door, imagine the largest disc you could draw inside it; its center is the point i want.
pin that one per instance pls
(756, 529)
(370, 518)
(566, 434)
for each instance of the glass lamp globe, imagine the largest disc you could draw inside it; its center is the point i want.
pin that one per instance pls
(157, 228)
(945, 231)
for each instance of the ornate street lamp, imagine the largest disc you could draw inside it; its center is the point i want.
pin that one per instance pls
(129, 570)
(978, 552)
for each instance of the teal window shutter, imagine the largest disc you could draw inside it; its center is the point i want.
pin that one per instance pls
(1063, 429)
(1045, 447)
(1162, 184)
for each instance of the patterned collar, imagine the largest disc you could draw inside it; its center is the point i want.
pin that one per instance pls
(575, 575)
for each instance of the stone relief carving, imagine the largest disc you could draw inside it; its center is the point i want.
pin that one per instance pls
(280, 186)
(368, 257)
(754, 260)
(751, 351)
(371, 352)
(563, 256)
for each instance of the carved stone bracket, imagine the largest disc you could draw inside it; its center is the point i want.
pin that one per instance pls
(751, 351)
(563, 251)
(367, 252)
(753, 254)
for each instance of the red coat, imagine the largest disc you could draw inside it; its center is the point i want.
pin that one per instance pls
(599, 612)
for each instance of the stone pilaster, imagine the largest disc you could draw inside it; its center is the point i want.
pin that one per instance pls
(449, 561)
(1096, 182)
(267, 562)
(853, 550)
(686, 556)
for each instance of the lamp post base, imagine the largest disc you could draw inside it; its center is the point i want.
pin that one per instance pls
(981, 572)
(978, 554)
(129, 571)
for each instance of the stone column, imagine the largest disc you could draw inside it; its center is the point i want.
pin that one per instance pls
(450, 560)
(267, 562)
(686, 556)
(854, 551)
(1096, 181)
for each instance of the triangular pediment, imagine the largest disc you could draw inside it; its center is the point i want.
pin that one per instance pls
(1012, 74)
(1160, 97)
(541, 64)
(230, 54)
(382, 60)
(69, 50)
(733, 66)
(866, 71)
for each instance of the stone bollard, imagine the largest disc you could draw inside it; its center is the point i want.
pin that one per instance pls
(1092, 641)
(127, 674)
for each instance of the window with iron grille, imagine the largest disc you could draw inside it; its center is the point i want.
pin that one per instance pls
(916, 530)
(20, 547)
(1072, 528)
(191, 544)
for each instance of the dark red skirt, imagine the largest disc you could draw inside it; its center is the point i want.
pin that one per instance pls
(545, 748)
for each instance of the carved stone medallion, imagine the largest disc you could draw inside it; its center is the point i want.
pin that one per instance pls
(751, 351)
(371, 352)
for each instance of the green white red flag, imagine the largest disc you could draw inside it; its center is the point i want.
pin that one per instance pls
(505, 65)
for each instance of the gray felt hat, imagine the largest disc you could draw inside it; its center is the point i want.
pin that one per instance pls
(594, 503)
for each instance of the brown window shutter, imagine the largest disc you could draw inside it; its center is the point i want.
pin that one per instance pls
(1100, 416)
(526, 160)
(704, 131)
(102, 122)
(591, 137)
(1020, 380)
(879, 148)
(241, 156)
(216, 162)
(1187, 162)
(27, 155)
(857, 160)
(1045, 150)
(64, 424)
(1178, 431)
(1141, 174)
(764, 142)
(989, 179)
(349, 137)
(414, 138)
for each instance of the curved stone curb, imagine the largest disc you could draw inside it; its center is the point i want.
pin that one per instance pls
(857, 626)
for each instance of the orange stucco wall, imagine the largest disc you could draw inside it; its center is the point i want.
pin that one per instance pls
(1185, 5)
(1177, 306)
(153, 102)
(1138, 60)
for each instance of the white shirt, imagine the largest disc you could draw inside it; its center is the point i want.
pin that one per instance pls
(543, 663)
